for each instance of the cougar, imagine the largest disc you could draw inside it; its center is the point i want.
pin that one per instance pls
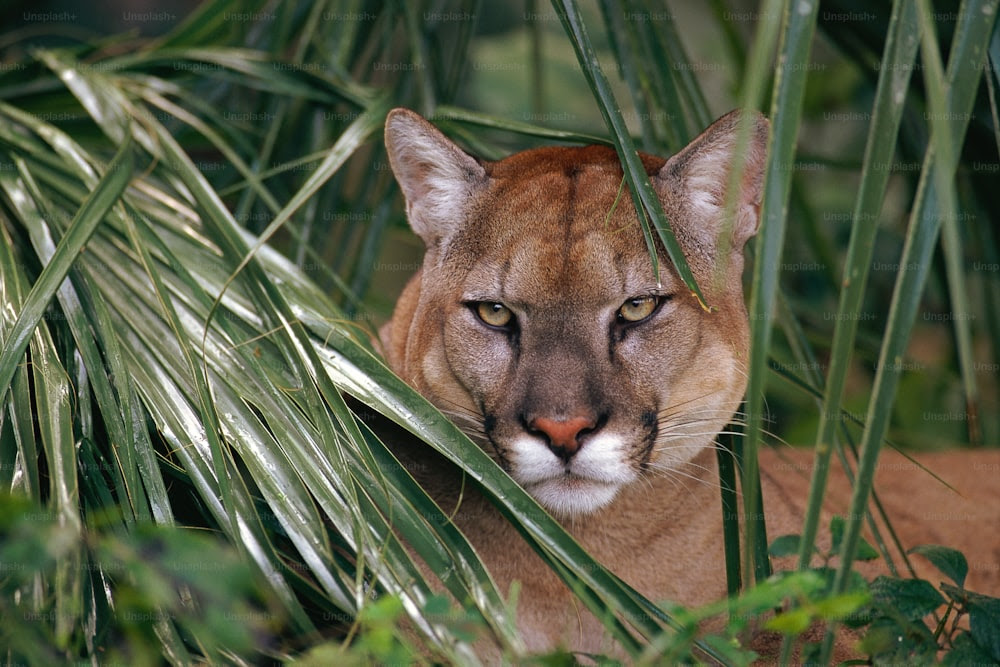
(537, 325)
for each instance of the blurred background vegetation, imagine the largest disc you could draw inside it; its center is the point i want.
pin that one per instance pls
(278, 105)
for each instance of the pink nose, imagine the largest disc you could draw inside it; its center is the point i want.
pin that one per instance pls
(563, 436)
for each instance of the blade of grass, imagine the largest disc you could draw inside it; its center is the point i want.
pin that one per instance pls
(252, 179)
(954, 262)
(68, 156)
(253, 69)
(107, 108)
(732, 40)
(291, 433)
(17, 405)
(314, 468)
(278, 108)
(451, 555)
(730, 509)
(445, 112)
(241, 427)
(52, 390)
(288, 434)
(799, 25)
(985, 237)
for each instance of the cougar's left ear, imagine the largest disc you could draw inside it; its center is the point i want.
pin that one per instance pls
(436, 176)
(699, 176)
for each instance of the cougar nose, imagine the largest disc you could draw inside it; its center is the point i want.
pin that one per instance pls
(562, 435)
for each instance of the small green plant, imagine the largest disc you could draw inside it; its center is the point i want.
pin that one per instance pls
(908, 620)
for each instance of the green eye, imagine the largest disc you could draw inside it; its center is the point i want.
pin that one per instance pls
(494, 314)
(637, 309)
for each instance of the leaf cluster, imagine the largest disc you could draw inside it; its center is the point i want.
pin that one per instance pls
(903, 620)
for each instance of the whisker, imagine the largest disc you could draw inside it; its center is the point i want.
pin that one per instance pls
(683, 478)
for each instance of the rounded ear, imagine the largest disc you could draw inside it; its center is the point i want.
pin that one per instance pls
(699, 175)
(437, 178)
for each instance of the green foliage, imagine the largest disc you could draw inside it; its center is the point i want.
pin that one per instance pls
(137, 584)
(904, 621)
(912, 622)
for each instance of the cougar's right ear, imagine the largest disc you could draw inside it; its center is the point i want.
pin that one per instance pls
(437, 178)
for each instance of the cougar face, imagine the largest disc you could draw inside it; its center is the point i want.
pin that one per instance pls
(537, 320)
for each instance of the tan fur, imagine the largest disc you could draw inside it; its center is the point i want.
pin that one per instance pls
(540, 232)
